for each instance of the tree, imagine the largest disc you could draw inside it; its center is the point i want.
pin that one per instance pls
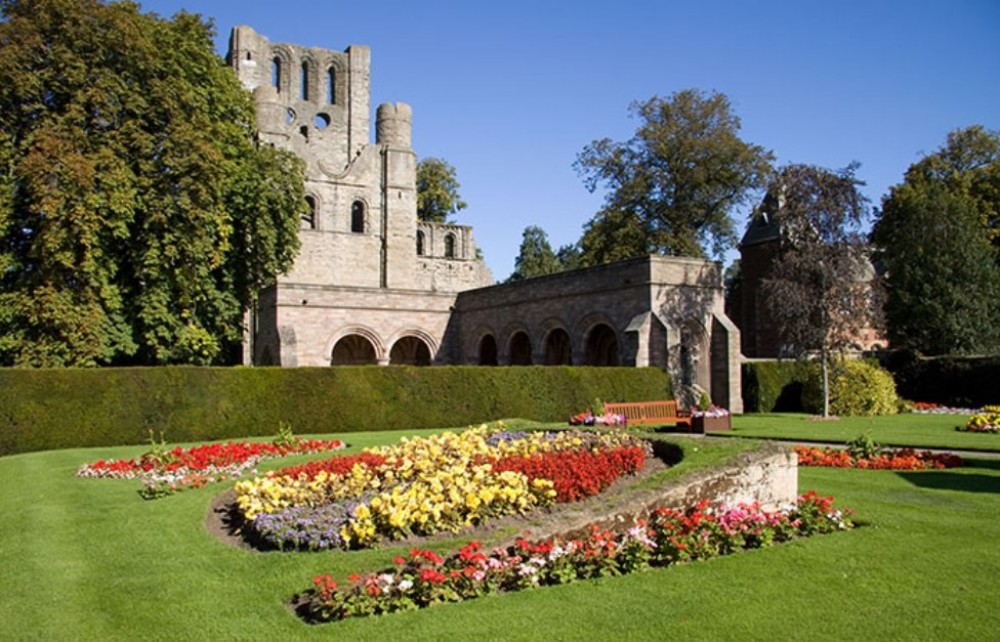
(137, 215)
(437, 191)
(939, 238)
(536, 257)
(821, 291)
(673, 186)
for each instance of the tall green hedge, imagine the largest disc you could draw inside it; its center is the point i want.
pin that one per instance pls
(49, 409)
(774, 386)
(951, 380)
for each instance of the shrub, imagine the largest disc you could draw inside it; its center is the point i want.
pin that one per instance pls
(775, 386)
(857, 388)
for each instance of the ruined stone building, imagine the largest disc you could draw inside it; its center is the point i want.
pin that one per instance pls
(373, 285)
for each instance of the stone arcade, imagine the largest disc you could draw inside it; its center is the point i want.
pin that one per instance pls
(373, 285)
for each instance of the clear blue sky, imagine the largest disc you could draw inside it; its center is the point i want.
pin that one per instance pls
(510, 92)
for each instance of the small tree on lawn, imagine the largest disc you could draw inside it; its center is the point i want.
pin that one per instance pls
(821, 290)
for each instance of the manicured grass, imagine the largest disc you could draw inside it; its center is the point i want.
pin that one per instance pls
(922, 431)
(88, 559)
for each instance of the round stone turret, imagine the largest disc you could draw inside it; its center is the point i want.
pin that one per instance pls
(394, 125)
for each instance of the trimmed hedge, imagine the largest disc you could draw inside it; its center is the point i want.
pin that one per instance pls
(67, 408)
(774, 386)
(857, 387)
(964, 382)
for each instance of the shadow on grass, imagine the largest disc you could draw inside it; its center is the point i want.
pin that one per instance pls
(946, 480)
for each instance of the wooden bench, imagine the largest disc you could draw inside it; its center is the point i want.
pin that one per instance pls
(660, 413)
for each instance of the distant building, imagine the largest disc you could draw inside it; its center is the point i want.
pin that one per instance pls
(747, 304)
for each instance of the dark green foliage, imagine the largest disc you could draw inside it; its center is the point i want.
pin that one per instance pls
(672, 187)
(535, 257)
(939, 235)
(53, 408)
(964, 382)
(775, 386)
(137, 214)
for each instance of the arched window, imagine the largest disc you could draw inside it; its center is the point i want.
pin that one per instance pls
(420, 243)
(331, 87)
(410, 351)
(488, 351)
(276, 73)
(602, 346)
(358, 217)
(304, 81)
(449, 246)
(558, 348)
(308, 221)
(353, 350)
(520, 350)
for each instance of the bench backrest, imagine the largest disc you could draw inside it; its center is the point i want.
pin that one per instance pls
(639, 410)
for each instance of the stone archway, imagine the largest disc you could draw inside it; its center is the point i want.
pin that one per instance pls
(520, 349)
(558, 348)
(410, 351)
(353, 350)
(602, 346)
(488, 351)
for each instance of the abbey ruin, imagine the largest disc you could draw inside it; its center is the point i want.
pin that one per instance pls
(373, 285)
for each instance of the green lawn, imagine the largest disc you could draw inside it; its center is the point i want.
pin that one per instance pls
(87, 559)
(923, 431)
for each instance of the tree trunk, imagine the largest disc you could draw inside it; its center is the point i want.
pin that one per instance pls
(826, 383)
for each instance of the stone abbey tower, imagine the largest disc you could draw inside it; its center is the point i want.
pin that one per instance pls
(371, 283)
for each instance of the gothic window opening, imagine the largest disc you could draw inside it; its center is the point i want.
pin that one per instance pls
(276, 73)
(410, 351)
(331, 91)
(420, 243)
(558, 348)
(305, 81)
(488, 351)
(520, 350)
(353, 350)
(358, 217)
(308, 221)
(602, 346)
(449, 246)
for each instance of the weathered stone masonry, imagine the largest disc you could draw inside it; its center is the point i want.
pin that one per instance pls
(374, 285)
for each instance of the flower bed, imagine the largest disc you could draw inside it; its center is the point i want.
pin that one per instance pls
(901, 459)
(427, 485)
(987, 421)
(932, 408)
(588, 418)
(424, 578)
(167, 471)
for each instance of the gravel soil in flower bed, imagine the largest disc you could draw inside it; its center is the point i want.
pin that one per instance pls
(224, 520)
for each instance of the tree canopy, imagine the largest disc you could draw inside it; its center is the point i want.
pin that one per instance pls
(138, 216)
(437, 191)
(939, 237)
(672, 187)
(821, 290)
(535, 257)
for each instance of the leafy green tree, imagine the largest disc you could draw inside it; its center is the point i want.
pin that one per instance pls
(437, 191)
(137, 214)
(821, 291)
(536, 257)
(673, 186)
(570, 256)
(939, 239)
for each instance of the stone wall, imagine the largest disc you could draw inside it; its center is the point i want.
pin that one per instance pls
(768, 476)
